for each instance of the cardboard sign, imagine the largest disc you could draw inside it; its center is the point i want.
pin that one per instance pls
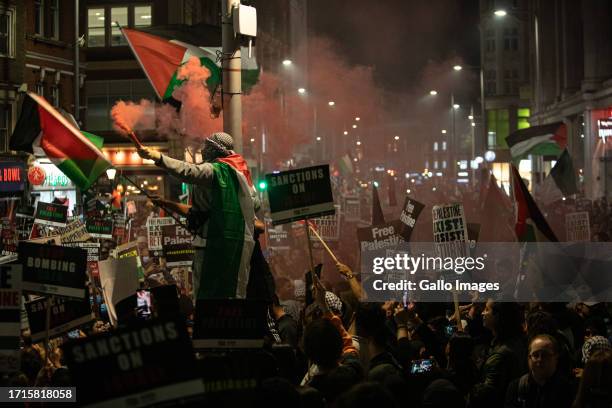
(380, 236)
(301, 193)
(179, 254)
(75, 231)
(10, 317)
(119, 280)
(278, 236)
(154, 231)
(410, 213)
(577, 227)
(100, 228)
(53, 270)
(93, 256)
(54, 215)
(450, 230)
(119, 230)
(145, 364)
(24, 223)
(8, 238)
(175, 234)
(327, 227)
(65, 315)
(12, 176)
(352, 208)
(229, 323)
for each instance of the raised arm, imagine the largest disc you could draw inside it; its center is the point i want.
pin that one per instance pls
(187, 172)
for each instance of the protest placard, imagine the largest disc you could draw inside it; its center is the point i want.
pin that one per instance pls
(66, 314)
(229, 323)
(75, 231)
(8, 238)
(53, 269)
(450, 230)
(577, 227)
(154, 231)
(54, 215)
(24, 222)
(328, 227)
(351, 208)
(410, 213)
(299, 194)
(380, 236)
(119, 280)
(100, 228)
(10, 317)
(278, 236)
(93, 256)
(175, 234)
(145, 364)
(179, 254)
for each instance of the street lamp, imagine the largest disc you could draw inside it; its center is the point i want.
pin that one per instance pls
(433, 92)
(396, 137)
(456, 106)
(111, 172)
(346, 132)
(500, 13)
(443, 131)
(357, 119)
(287, 62)
(301, 91)
(354, 126)
(331, 103)
(457, 67)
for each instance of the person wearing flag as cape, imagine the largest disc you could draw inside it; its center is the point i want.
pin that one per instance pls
(222, 216)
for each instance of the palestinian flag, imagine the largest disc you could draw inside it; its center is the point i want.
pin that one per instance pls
(545, 140)
(531, 225)
(497, 224)
(77, 154)
(160, 59)
(229, 238)
(561, 182)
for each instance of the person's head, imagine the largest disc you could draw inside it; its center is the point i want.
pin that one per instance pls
(442, 393)
(218, 145)
(323, 343)
(504, 319)
(593, 344)
(284, 288)
(540, 322)
(367, 394)
(595, 388)
(594, 326)
(543, 357)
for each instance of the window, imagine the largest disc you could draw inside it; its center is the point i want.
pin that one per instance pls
(54, 20)
(510, 39)
(142, 16)
(443, 145)
(522, 118)
(40, 89)
(443, 164)
(39, 17)
(95, 27)
(511, 82)
(5, 126)
(119, 15)
(490, 82)
(498, 128)
(7, 33)
(490, 41)
(55, 96)
(435, 164)
(435, 146)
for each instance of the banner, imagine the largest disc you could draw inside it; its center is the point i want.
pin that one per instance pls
(75, 231)
(229, 323)
(154, 231)
(300, 193)
(119, 280)
(577, 227)
(179, 254)
(12, 176)
(450, 230)
(410, 213)
(278, 236)
(380, 236)
(65, 315)
(352, 208)
(100, 228)
(10, 317)
(175, 234)
(53, 269)
(54, 215)
(328, 227)
(146, 364)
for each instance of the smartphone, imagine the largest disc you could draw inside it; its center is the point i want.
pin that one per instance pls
(421, 366)
(450, 330)
(143, 304)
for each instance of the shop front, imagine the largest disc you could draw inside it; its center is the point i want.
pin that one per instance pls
(601, 158)
(50, 184)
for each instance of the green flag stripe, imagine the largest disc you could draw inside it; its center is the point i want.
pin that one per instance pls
(211, 82)
(83, 173)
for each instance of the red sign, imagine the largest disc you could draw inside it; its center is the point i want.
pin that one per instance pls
(36, 175)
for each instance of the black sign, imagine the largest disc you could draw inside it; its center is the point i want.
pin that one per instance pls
(100, 228)
(380, 236)
(53, 269)
(179, 254)
(12, 176)
(10, 317)
(278, 236)
(146, 364)
(411, 211)
(297, 194)
(229, 323)
(54, 215)
(175, 234)
(65, 315)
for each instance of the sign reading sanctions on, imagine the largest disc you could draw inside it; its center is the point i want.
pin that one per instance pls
(53, 269)
(298, 194)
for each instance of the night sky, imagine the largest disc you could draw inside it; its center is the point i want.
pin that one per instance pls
(398, 37)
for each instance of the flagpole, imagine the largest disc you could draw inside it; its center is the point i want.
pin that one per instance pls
(309, 246)
(329, 251)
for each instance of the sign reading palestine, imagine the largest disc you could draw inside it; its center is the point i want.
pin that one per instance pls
(299, 194)
(54, 215)
(53, 269)
(450, 230)
(380, 236)
(100, 228)
(145, 364)
(10, 317)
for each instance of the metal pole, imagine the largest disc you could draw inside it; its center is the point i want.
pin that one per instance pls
(232, 76)
(453, 164)
(77, 75)
(483, 111)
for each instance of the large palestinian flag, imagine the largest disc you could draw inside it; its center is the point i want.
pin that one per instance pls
(77, 154)
(545, 140)
(531, 225)
(160, 59)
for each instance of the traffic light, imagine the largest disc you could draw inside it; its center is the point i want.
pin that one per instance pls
(263, 185)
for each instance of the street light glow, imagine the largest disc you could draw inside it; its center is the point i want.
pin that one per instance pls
(456, 106)
(443, 131)
(331, 103)
(354, 126)
(252, 139)
(287, 62)
(457, 67)
(358, 143)
(318, 138)
(357, 119)
(471, 117)
(433, 92)
(301, 90)
(396, 138)
(473, 124)
(345, 132)
(500, 13)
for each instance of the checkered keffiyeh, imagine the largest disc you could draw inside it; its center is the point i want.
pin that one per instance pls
(593, 344)
(333, 303)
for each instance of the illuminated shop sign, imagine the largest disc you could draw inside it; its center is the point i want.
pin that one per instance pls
(604, 128)
(11, 176)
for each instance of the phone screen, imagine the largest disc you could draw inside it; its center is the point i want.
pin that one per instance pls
(143, 304)
(421, 366)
